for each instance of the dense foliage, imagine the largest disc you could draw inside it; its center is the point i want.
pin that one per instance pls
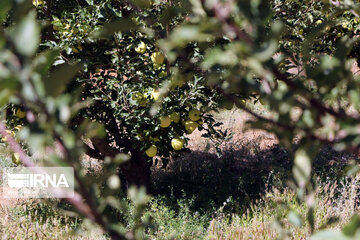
(146, 105)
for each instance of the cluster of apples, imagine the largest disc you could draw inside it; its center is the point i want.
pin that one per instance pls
(190, 124)
(156, 57)
(15, 156)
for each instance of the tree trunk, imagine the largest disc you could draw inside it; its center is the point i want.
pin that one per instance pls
(137, 171)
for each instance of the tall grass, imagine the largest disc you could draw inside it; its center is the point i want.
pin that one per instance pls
(335, 204)
(177, 219)
(32, 219)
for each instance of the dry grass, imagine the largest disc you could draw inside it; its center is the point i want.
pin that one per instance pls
(24, 222)
(32, 219)
(260, 222)
(38, 219)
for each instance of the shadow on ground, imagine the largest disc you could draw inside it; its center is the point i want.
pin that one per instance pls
(242, 174)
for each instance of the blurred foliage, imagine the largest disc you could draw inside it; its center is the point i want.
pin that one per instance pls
(131, 76)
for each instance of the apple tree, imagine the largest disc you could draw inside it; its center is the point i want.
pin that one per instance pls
(145, 105)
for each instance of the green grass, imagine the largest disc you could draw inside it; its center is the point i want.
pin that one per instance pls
(175, 219)
(32, 219)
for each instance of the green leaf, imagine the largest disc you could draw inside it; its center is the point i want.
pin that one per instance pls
(311, 218)
(45, 60)
(329, 235)
(352, 227)
(5, 6)
(185, 34)
(218, 56)
(307, 118)
(4, 96)
(142, 3)
(90, 2)
(9, 83)
(121, 158)
(119, 25)
(56, 82)
(26, 35)
(295, 219)
(137, 195)
(302, 167)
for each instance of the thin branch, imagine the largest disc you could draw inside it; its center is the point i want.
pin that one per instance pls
(76, 201)
(93, 153)
(239, 104)
(85, 193)
(313, 101)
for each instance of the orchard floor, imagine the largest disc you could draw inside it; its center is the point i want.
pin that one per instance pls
(251, 163)
(203, 196)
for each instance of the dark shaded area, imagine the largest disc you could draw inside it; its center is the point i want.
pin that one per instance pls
(242, 174)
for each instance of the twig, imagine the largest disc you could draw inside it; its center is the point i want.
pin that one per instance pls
(76, 201)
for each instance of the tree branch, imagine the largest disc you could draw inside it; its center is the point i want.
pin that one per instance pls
(93, 153)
